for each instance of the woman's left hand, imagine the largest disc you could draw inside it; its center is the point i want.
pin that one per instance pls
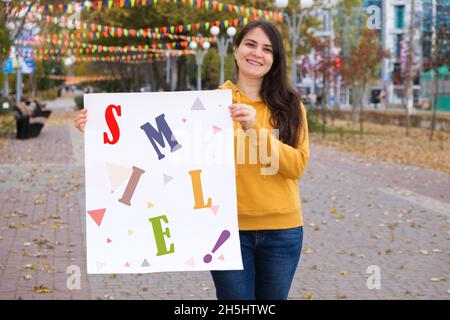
(244, 114)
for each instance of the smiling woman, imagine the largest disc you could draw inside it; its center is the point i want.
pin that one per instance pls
(269, 213)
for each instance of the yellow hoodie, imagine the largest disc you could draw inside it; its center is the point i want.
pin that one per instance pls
(268, 201)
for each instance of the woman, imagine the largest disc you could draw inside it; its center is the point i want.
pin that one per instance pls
(269, 213)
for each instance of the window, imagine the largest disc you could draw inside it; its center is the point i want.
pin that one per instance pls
(399, 16)
(398, 45)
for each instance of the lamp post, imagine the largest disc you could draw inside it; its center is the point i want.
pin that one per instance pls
(294, 23)
(222, 46)
(168, 53)
(199, 55)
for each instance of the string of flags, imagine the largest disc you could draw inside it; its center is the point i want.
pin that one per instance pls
(79, 79)
(98, 35)
(134, 58)
(117, 49)
(141, 53)
(75, 51)
(109, 4)
(128, 32)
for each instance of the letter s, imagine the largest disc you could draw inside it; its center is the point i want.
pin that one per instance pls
(112, 124)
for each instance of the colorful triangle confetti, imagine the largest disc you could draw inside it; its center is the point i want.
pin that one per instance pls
(167, 178)
(100, 265)
(215, 209)
(108, 240)
(198, 105)
(97, 215)
(150, 205)
(145, 263)
(191, 262)
(221, 257)
(130, 232)
(216, 129)
(117, 174)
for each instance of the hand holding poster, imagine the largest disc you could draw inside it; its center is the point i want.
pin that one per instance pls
(160, 183)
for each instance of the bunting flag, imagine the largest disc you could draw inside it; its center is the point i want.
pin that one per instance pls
(147, 34)
(81, 51)
(95, 48)
(135, 58)
(109, 4)
(80, 79)
(119, 32)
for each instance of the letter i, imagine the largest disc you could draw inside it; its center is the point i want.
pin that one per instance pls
(131, 186)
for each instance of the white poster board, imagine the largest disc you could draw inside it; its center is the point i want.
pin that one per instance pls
(160, 182)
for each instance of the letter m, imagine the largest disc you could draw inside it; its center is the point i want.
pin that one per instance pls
(159, 135)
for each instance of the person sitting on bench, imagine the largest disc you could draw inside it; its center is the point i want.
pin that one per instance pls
(39, 109)
(28, 126)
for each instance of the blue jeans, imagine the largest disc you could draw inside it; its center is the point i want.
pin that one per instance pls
(270, 258)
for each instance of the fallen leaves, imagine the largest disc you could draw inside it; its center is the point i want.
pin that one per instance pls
(308, 296)
(437, 279)
(30, 266)
(42, 289)
(389, 143)
(43, 242)
(47, 266)
(28, 277)
(106, 297)
(341, 296)
(39, 200)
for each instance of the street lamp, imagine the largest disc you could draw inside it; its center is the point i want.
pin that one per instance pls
(199, 55)
(168, 53)
(222, 46)
(294, 23)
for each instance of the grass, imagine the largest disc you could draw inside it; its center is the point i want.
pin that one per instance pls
(389, 143)
(7, 124)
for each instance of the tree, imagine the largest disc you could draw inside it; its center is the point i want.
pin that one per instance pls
(160, 14)
(411, 70)
(10, 15)
(326, 67)
(361, 66)
(440, 55)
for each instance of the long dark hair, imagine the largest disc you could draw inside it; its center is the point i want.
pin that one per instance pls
(282, 100)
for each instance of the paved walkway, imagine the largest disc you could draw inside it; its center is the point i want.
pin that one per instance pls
(358, 213)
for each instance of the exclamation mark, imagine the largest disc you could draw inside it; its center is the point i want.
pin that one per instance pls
(223, 237)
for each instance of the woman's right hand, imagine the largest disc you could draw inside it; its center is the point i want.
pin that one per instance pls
(81, 119)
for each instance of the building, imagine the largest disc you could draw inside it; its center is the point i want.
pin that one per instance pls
(394, 21)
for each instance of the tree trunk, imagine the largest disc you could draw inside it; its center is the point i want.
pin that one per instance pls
(121, 81)
(160, 82)
(363, 94)
(324, 107)
(355, 99)
(434, 101)
(410, 75)
(182, 71)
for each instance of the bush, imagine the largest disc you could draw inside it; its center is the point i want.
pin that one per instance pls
(7, 124)
(313, 118)
(79, 102)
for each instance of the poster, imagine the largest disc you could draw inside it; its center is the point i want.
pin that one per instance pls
(160, 182)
